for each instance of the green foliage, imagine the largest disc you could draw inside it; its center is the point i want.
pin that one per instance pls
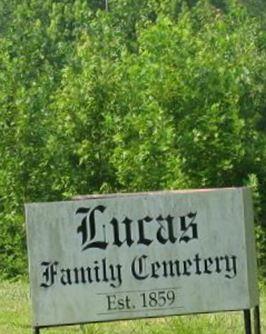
(147, 95)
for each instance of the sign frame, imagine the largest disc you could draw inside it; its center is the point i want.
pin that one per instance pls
(247, 312)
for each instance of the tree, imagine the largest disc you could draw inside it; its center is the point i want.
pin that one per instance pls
(148, 95)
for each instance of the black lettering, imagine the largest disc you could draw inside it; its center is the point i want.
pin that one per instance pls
(121, 303)
(96, 271)
(197, 260)
(83, 228)
(186, 265)
(217, 262)
(208, 264)
(169, 231)
(111, 302)
(128, 239)
(89, 276)
(142, 239)
(155, 266)
(168, 268)
(138, 267)
(79, 275)
(188, 227)
(230, 266)
(66, 277)
(49, 273)
(116, 275)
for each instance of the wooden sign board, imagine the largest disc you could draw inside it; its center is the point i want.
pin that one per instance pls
(130, 256)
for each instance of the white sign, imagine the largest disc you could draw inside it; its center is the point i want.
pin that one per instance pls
(141, 255)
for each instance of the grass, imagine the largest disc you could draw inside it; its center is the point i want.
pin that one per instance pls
(15, 318)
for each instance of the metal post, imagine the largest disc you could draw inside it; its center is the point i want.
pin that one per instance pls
(106, 5)
(257, 324)
(247, 318)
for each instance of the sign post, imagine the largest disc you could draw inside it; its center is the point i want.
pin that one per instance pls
(142, 255)
(257, 324)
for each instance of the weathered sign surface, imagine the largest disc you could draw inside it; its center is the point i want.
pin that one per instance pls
(141, 255)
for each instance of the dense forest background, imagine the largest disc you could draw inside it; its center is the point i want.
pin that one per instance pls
(102, 96)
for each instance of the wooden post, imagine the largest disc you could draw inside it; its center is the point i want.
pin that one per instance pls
(247, 318)
(36, 330)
